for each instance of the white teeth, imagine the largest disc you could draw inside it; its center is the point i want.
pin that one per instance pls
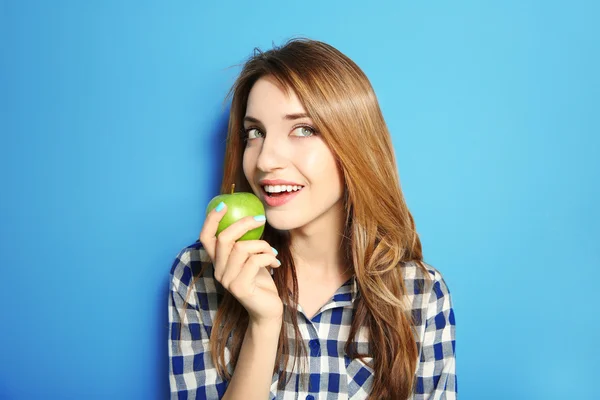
(282, 188)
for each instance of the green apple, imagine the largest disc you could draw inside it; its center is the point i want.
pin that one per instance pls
(239, 205)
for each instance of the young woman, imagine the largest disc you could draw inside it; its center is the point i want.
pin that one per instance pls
(336, 301)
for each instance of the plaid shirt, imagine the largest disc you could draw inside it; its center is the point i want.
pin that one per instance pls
(331, 373)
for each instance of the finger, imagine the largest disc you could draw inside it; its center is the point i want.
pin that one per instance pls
(243, 285)
(239, 255)
(208, 234)
(228, 237)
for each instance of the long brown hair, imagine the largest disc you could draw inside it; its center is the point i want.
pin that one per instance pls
(380, 235)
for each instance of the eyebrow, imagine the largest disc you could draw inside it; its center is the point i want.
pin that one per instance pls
(288, 117)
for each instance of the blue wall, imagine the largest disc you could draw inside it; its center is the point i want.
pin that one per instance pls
(112, 121)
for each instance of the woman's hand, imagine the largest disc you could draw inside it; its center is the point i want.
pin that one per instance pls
(241, 267)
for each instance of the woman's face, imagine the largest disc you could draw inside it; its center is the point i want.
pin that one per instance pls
(283, 145)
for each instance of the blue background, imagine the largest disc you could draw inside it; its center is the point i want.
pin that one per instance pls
(112, 122)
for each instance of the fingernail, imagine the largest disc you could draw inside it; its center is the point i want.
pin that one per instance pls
(220, 207)
(274, 251)
(260, 218)
(279, 262)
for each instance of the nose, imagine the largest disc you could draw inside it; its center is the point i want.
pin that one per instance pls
(272, 154)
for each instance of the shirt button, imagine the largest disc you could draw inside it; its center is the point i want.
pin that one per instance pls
(314, 347)
(310, 397)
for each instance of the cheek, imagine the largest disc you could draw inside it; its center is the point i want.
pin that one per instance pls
(247, 172)
(247, 166)
(319, 163)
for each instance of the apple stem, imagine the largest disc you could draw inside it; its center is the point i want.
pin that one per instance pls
(232, 188)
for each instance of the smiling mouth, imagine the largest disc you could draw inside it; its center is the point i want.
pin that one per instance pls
(280, 190)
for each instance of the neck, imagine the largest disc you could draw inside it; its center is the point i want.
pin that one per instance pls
(317, 247)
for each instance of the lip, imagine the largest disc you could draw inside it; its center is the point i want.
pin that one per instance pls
(272, 182)
(280, 199)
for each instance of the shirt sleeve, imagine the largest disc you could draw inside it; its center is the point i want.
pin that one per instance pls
(192, 375)
(436, 372)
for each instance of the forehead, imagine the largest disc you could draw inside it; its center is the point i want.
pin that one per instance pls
(268, 96)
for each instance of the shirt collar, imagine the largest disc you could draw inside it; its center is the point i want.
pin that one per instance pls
(345, 295)
(349, 291)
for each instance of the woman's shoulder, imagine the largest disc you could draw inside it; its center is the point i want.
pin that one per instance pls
(191, 259)
(423, 277)
(192, 265)
(426, 288)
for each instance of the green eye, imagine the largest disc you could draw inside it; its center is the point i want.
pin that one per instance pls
(253, 133)
(305, 131)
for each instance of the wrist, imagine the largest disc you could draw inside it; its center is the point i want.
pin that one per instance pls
(270, 327)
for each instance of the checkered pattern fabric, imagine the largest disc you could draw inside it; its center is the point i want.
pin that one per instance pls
(331, 374)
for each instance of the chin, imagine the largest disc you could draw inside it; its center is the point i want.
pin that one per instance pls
(280, 223)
